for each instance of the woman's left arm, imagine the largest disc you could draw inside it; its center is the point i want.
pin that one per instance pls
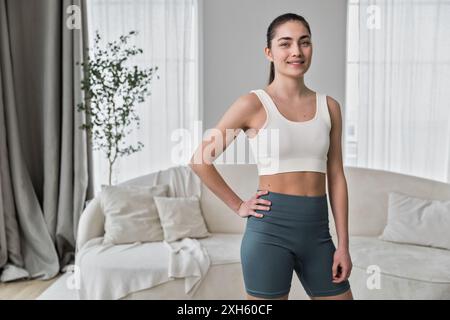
(337, 191)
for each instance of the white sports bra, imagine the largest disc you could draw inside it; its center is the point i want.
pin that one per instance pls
(283, 145)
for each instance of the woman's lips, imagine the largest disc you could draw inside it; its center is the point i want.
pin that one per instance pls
(298, 64)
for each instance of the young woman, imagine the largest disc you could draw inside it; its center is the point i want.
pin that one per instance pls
(287, 218)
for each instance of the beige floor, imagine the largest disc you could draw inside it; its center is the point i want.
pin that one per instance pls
(25, 289)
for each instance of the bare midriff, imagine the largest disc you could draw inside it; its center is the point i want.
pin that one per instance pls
(302, 183)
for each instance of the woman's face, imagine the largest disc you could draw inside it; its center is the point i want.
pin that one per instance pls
(292, 43)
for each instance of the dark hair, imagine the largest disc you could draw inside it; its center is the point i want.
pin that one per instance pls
(273, 28)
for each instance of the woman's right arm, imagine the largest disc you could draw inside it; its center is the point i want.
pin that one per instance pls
(235, 119)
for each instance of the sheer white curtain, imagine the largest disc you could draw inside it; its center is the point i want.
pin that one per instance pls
(167, 33)
(398, 87)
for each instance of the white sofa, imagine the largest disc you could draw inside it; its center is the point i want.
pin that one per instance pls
(407, 271)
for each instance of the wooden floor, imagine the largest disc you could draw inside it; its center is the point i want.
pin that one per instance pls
(24, 289)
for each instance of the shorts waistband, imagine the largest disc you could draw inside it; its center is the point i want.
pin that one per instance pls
(294, 200)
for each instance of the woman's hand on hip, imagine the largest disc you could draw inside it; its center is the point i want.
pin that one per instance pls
(254, 203)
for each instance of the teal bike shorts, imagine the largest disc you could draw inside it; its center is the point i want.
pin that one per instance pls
(292, 235)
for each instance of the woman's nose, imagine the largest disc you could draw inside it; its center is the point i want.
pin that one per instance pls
(297, 51)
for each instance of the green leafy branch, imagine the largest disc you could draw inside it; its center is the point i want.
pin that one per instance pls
(112, 90)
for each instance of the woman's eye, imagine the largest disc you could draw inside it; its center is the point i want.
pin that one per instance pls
(284, 44)
(306, 43)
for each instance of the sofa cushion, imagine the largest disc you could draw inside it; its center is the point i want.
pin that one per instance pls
(417, 221)
(181, 217)
(131, 214)
(140, 265)
(401, 260)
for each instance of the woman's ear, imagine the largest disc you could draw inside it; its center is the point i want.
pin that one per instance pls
(268, 54)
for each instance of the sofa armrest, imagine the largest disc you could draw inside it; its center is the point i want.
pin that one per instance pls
(91, 224)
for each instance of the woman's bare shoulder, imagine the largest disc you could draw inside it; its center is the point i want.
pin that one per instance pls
(249, 102)
(333, 103)
(246, 106)
(240, 113)
(334, 109)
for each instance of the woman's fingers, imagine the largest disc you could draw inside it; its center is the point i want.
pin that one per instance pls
(348, 270)
(335, 269)
(342, 273)
(256, 214)
(263, 201)
(257, 200)
(260, 200)
(261, 192)
(256, 207)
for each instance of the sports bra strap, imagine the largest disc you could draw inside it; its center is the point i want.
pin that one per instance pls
(266, 102)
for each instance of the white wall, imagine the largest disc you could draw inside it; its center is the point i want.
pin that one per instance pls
(234, 37)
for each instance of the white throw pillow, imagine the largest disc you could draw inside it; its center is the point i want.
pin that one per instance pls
(181, 217)
(131, 214)
(417, 221)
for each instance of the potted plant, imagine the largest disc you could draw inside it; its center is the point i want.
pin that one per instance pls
(112, 89)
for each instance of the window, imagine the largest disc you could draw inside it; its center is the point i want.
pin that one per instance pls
(168, 35)
(398, 75)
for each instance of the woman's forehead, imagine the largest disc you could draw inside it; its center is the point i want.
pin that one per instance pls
(292, 29)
